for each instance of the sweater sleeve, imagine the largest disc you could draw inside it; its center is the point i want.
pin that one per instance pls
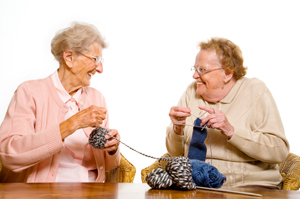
(174, 142)
(263, 138)
(21, 146)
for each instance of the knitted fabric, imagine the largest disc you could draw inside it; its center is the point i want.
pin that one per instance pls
(197, 148)
(203, 174)
(206, 175)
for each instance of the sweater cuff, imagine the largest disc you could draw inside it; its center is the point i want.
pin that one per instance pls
(53, 138)
(174, 136)
(237, 139)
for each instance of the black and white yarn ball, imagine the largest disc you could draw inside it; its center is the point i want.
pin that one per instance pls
(159, 179)
(97, 139)
(180, 171)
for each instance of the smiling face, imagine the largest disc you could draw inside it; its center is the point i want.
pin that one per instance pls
(211, 85)
(85, 67)
(81, 68)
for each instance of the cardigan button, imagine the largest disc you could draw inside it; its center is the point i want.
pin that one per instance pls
(101, 167)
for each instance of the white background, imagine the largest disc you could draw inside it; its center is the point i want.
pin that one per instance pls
(152, 46)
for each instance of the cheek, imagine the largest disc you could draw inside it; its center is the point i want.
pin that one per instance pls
(213, 82)
(84, 69)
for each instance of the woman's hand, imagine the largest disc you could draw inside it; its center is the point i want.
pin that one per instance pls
(92, 116)
(217, 120)
(178, 115)
(112, 145)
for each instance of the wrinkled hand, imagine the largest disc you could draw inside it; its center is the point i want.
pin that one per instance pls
(217, 120)
(92, 116)
(113, 144)
(178, 115)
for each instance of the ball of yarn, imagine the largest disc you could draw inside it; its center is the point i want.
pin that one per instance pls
(180, 171)
(206, 175)
(158, 179)
(97, 139)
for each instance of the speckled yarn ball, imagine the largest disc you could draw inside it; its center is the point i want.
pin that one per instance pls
(159, 179)
(180, 171)
(97, 139)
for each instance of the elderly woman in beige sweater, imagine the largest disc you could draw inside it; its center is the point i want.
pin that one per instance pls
(247, 140)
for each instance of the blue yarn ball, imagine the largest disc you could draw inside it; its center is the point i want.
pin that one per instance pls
(206, 175)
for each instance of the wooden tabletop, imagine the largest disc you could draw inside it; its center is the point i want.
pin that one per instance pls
(125, 190)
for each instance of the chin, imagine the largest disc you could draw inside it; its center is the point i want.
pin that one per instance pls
(86, 83)
(200, 92)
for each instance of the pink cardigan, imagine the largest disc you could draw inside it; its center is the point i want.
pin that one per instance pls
(30, 141)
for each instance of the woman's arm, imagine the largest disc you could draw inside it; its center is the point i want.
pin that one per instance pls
(20, 145)
(265, 139)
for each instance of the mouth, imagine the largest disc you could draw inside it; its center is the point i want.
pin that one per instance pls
(199, 83)
(91, 74)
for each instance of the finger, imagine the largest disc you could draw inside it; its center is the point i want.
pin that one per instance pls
(207, 120)
(97, 108)
(103, 110)
(179, 123)
(111, 143)
(212, 124)
(207, 109)
(100, 115)
(180, 118)
(181, 109)
(111, 148)
(178, 111)
(112, 132)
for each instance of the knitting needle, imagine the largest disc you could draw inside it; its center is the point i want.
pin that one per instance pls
(184, 124)
(229, 191)
(198, 116)
(194, 115)
(197, 126)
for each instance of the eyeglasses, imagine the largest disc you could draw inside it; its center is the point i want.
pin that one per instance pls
(97, 60)
(203, 71)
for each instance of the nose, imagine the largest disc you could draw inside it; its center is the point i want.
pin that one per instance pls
(196, 75)
(99, 68)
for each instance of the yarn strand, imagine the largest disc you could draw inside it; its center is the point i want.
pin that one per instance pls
(178, 172)
(149, 156)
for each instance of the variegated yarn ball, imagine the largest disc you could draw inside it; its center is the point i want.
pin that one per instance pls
(159, 179)
(178, 174)
(97, 137)
(180, 170)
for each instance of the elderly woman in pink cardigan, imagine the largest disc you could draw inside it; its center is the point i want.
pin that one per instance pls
(44, 135)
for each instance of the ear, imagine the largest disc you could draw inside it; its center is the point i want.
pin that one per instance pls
(68, 57)
(228, 76)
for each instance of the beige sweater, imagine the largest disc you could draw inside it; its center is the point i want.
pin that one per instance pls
(251, 156)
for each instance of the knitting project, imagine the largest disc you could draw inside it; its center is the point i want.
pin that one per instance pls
(178, 170)
(197, 148)
(203, 174)
(179, 173)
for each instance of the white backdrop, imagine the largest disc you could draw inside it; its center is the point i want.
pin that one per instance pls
(152, 45)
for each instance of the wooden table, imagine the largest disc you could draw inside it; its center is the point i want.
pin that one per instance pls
(124, 190)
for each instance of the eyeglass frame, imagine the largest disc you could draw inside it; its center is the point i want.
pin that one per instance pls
(96, 59)
(205, 70)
